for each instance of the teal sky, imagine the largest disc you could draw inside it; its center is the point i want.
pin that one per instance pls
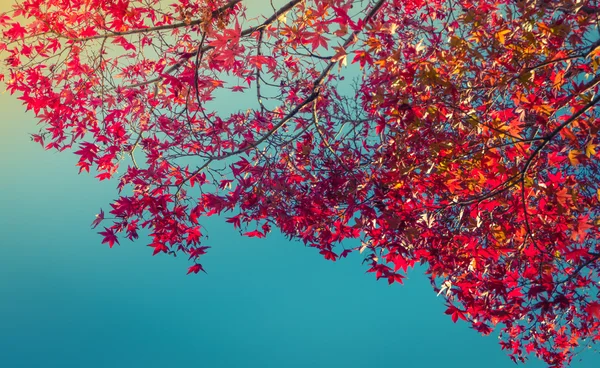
(68, 301)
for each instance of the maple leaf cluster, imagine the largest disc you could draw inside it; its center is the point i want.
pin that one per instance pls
(460, 135)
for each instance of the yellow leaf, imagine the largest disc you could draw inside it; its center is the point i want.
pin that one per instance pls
(598, 194)
(595, 64)
(500, 35)
(559, 79)
(544, 109)
(590, 150)
(595, 52)
(499, 235)
(573, 157)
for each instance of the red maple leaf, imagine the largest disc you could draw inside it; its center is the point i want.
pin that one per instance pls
(109, 237)
(593, 309)
(195, 268)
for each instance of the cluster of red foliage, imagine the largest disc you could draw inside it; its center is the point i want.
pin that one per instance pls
(467, 141)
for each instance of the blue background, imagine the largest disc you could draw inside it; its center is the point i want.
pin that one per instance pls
(68, 301)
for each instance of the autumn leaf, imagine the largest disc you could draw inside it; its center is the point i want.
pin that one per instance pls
(329, 255)
(573, 157)
(502, 34)
(109, 237)
(590, 150)
(254, 234)
(340, 56)
(195, 268)
(158, 247)
(593, 309)
(98, 220)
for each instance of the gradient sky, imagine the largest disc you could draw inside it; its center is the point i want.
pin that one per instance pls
(68, 301)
